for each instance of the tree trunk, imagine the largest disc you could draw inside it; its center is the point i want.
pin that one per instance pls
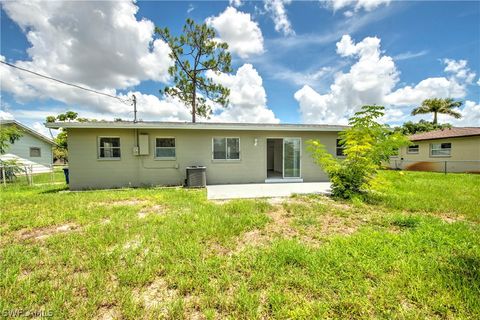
(194, 101)
(434, 117)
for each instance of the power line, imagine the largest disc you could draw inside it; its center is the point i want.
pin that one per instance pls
(65, 83)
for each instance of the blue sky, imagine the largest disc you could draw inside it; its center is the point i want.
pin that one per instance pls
(306, 61)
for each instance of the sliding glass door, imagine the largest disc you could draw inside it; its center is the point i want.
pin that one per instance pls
(291, 157)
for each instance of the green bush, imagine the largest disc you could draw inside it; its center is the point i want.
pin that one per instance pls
(367, 144)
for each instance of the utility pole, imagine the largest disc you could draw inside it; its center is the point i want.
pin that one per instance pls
(134, 108)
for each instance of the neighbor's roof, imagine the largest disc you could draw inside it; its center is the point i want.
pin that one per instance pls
(27, 129)
(447, 133)
(197, 126)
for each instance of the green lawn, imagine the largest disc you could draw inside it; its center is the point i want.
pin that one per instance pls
(410, 251)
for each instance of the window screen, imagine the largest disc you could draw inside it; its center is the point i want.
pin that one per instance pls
(226, 148)
(440, 149)
(165, 148)
(35, 152)
(109, 147)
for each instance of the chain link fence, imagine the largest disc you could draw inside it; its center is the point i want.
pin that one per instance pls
(31, 174)
(445, 166)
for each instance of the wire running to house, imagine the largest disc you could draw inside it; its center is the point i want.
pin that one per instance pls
(67, 83)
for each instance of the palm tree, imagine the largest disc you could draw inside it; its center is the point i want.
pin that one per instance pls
(437, 106)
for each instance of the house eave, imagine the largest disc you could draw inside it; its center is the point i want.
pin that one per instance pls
(194, 126)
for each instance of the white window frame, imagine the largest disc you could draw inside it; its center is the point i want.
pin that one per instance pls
(226, 146)
(39, 152)
(155, 148)
(413, 152)
(109, 158)
(440, 155)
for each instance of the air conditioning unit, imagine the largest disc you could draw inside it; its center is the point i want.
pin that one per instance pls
(196, 177)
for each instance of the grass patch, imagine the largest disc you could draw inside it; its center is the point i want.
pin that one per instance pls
(455, 193)
(170, 253)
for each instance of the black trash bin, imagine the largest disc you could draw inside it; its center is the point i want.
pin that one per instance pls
(66, 173)
(196, 177)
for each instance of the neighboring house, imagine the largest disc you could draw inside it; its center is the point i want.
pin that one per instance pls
(451, 150)
(33, 150)
(118, 154)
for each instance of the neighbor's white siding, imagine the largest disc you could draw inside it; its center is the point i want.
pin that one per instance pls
(20, 150)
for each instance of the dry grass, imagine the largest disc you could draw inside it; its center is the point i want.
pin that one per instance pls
(46, 232)
(156, 209)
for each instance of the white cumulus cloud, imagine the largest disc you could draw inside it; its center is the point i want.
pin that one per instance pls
(367, 5)
(103, 46)
(372, 79)
(277, 10)
(5, 115)
(99, 44)
(459, 69)
(248, 100)
(470, 115)
(367, 82)
(237, 28)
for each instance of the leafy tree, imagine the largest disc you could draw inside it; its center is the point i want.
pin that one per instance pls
(195, 52)
(367, 144)
(71, 115)
(62, 117)
(50, 119)
(436, 106)
(411, 127)
(61, 149)
(67, 116)
(8, 135)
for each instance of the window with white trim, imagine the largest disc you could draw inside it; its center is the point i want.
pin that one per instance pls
(109, 148)
(413, 149)
(440, 149)
(340, 148)
(35, 152)
(165, 148)
(226, 148)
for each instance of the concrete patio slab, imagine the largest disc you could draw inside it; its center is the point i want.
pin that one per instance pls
(265, 190)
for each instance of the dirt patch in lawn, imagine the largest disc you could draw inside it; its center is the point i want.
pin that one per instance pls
(132, 244)
(156, 209)
(450, 217)
(108, 312)
(283, 225)
(280, 226)
(157, 295)
(44, 233)
(126, 202)
(331, 224)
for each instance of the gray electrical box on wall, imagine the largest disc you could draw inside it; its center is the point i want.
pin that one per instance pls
(143, 145)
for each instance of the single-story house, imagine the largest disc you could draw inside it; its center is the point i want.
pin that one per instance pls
(33, 150)
(455, 149)
(123, 153)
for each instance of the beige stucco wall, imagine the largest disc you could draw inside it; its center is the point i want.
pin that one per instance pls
(464, 157)
(193, 147)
